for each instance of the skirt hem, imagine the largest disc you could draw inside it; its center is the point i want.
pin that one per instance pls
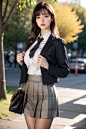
(43, 117)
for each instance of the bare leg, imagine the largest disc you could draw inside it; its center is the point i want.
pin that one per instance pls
(43, 123)
(30, 122)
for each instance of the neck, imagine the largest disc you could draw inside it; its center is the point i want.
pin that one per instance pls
(43, 32)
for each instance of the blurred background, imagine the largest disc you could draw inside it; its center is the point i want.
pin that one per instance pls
(71, 22)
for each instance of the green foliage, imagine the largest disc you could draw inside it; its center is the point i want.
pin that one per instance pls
(54, 1)
(81, 12)
(18, 28)
(22, 3)
(68, 22)
(4, 104)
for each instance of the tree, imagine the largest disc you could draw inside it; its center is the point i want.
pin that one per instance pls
(81, 12)
(3, 21)
(4, 4)
(68, 22)
(18, 28)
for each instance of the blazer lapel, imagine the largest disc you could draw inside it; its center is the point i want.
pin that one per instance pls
(48, 44)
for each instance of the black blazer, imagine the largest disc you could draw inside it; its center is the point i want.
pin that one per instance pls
(55, 53)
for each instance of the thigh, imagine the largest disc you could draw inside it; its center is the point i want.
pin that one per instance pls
(43, 123)
(30, 122)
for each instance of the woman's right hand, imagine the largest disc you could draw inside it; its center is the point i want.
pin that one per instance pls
(20, 58)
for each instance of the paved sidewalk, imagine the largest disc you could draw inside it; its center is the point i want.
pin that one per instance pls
(72, 105)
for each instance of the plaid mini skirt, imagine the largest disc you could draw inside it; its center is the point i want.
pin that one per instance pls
(41, 100)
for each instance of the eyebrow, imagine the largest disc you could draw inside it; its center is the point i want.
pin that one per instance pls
(44, 14)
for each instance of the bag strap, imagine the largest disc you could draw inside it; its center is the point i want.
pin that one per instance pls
(25, 88)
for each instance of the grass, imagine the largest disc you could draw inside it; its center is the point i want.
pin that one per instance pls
(4, 104)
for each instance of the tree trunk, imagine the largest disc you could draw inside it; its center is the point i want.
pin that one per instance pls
(2, 68)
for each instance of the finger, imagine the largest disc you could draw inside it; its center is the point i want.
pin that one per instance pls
(39, 59)
(23, 52)
(20, 55)
(20, 59)
(40, 56)
(38, 63)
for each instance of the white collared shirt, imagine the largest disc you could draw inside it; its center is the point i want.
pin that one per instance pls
(31, 63)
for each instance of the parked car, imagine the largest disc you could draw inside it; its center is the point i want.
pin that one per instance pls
(84, 56)
(81, 65)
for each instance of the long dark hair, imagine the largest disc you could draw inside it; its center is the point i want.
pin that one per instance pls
(35, 29)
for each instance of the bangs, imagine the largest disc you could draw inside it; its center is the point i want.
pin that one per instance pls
(42, 11)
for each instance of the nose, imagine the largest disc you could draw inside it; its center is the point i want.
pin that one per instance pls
(42, 18)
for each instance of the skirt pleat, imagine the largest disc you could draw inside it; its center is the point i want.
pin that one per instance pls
(41, 101)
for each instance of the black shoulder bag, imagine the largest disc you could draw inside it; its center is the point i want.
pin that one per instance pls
(17, 101)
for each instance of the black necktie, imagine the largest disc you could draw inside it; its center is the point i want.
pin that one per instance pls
(32, 51)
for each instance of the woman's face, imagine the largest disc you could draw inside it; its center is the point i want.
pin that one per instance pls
(44, 20)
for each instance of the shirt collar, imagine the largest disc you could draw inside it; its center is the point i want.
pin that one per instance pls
(45, 36)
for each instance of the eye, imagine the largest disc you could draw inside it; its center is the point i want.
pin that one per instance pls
(45, 16)
(37, 17)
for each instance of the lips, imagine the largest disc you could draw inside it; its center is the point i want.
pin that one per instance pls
(42, 24)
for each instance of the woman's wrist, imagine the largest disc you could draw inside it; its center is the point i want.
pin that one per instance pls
(21, 63)
(47, 66)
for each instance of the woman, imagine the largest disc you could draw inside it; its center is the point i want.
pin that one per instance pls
(44, 60)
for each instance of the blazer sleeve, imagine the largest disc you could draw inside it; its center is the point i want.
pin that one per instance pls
(61, 68)
(20, 66)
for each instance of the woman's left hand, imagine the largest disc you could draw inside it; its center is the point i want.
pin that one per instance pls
(41, 61)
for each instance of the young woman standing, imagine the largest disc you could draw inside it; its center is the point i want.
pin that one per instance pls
(44, 60)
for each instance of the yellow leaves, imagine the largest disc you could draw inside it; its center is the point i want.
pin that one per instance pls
(22, 3)
(71, 39)
(68, 22)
